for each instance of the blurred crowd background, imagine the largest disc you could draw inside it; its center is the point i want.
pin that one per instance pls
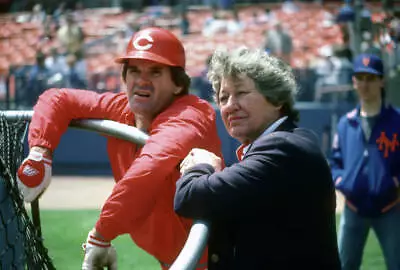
(72, 44)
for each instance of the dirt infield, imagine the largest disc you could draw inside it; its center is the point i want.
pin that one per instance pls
(82, 192)
(77, 192)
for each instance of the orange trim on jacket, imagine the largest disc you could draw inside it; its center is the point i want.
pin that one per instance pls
(141, 202)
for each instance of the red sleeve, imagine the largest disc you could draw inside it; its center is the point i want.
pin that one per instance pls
(57, 107)
(174, 133)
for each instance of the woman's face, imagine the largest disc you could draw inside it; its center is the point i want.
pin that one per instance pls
(244, 110)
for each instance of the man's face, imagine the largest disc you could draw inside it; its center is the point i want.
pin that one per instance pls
(150, 88)
(368, 86)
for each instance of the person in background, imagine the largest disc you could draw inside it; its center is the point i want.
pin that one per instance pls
(334, 71)
(290, 7)
(268, 16)
(71, 35)
(184, 23)
(37, 81)
(56, 62)
(38, 15)
(157, 102)
(365, 166)
(256, 206)
(278, 42)
(369, 46)
(235, 25)
(202, 84)
(77, 71)
(58, 13)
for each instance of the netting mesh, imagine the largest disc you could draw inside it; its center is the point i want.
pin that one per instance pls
(21, 247)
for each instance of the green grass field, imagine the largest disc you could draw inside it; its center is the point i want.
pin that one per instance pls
(65, 231)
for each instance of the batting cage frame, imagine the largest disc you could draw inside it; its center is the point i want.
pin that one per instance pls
(198, 235)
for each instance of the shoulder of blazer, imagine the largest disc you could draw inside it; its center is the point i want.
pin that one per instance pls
(269, 139)
(295, 137)
(285, 127)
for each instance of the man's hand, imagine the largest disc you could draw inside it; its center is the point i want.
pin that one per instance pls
(34, 174)
(197, 156)
(98, 253)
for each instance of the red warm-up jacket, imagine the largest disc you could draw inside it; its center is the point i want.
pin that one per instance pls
(141, 202)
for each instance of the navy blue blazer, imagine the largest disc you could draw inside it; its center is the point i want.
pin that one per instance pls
(275, 209)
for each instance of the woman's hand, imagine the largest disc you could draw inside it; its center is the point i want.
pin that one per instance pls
(197, 156)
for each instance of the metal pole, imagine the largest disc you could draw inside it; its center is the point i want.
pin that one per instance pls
(193, 249)
(198, 235)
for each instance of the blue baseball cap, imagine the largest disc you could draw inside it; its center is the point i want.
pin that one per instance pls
(368, 63)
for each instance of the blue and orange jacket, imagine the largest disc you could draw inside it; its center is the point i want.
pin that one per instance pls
(368, 172)
(141, 203)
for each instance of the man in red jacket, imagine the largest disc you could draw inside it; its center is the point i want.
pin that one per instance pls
(156, 101)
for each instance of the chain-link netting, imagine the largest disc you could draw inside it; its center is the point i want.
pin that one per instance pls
(21, 246)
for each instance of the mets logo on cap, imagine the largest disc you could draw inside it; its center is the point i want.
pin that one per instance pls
(366, 61)
(143, 42)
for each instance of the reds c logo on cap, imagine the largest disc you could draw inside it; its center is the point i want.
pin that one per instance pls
(146, 42)
(365, 61)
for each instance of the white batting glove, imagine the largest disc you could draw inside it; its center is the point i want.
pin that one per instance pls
(197, 156)
(34, 175)
(98, 254)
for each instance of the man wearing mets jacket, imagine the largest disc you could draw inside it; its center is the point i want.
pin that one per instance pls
(366, 169)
